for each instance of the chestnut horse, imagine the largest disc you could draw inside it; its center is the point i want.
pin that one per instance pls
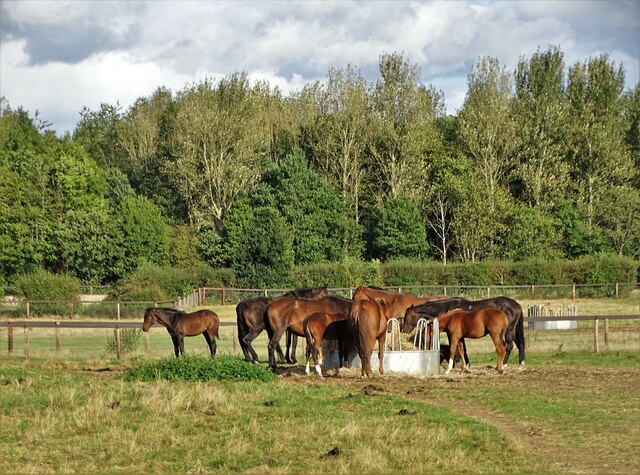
(290, 312)
(368, 323)
(250, 319)
(396, 302)
(322, 326)
(510, 307)
(180, 324)
(459, 324)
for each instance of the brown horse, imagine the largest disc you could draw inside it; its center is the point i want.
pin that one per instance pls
(368, 323)
(396, 302)
(460, 324)
(322, 326)
(250, 319)
(180, 324)
(290, 312)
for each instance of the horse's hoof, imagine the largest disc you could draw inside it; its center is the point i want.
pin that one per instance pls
(521, 366)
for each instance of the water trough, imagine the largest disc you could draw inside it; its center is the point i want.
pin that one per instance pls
(418, 361)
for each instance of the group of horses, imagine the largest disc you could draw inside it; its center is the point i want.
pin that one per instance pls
(356, 323)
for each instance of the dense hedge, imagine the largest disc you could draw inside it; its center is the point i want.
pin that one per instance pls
(600, 269)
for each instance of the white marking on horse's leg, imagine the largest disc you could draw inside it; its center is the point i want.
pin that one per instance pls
(467, 368)
(307, 370)
(521, 366)
(450, 367)
(319, 370)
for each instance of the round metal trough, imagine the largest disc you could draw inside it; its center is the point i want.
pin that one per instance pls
(418, 361)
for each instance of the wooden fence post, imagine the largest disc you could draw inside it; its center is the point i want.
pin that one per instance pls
(57, 337)
(28, 309)
(573, 291)
(10, 339)
(606, 334)
(146, 342)
(222, 297)
(235, 341)
(118, 349)
(595, 336)
(26, 342)
(617, 293)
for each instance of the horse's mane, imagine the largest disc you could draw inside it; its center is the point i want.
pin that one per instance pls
(172, 311)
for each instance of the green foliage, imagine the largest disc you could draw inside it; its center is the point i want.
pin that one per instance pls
(141, 236)
(129, 340)
(399, 231)
(154, 283)
(311, 207)
(267, 253)
(43, 285)
(198, 368)
(531, 233)
(346, 273)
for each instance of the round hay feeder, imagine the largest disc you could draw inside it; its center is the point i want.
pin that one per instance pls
(419, 360)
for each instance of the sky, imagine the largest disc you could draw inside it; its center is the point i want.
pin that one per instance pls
(59, 56)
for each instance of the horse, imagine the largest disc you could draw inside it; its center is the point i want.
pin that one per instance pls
(250, 319)
(180, 324)
(322, 326)
(459, 324)
(510, 307)
(290, 312)
(368, 323)
(396, 302)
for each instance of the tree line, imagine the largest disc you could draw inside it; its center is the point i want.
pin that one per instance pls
(539, 162)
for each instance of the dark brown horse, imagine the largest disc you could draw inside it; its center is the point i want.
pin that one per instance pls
(368, 323)
(180, 324)
(250, 318)
(510, 307)
(396, 302)
(460, 324)
(321, 326)
(290, 312)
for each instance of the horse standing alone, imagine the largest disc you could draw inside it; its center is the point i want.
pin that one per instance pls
(180, 324)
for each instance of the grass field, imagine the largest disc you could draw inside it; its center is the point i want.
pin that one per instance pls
(560, 415)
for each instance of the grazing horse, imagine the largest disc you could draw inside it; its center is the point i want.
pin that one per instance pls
(322, 326)
(250, 318)
(510, 307)
(180, 324)
(290, 312)
(368, 323)
(459, 324)
(396, 302)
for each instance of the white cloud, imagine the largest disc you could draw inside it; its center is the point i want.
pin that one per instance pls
(108, 51)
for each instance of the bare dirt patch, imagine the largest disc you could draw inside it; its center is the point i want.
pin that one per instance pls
(567, 450)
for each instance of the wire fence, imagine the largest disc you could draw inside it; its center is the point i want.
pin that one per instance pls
(109, 340)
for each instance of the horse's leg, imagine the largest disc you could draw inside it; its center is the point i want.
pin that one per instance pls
(381, 343)
(247, 339)
(509, 338)
(460, 352)
(501, 348)
(308, 355)
(211, 341)
(176, 345)
(274, 339)
(294, 344)
(317, 358)
(464, 357)
(453, 348)
(181, 341)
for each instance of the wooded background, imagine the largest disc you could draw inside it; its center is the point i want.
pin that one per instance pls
(541, 163)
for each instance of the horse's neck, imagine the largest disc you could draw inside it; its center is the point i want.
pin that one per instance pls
(166, 319)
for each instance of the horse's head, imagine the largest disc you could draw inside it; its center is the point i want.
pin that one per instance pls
(149, 319)
(410, 320)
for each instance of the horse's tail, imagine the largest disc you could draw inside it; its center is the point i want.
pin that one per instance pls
(519, 334)
(242, 325)
(308, 334)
